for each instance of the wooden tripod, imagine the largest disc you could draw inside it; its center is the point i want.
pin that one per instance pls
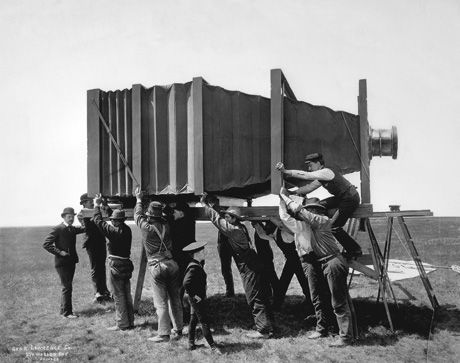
(380, 260)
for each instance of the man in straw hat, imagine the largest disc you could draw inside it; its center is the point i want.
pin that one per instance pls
(249, 265)
(95, 245)
(61, 243)
(345, 197)
(323, 264)
(164, 270)
(119, 237)
(195, 288)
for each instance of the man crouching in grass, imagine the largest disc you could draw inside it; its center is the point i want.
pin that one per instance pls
(61, 243)
(119, 237)
(195, 287)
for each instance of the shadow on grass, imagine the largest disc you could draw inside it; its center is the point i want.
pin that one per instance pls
(448, 318)
(239, 347)
(97, 310)
(407, 319)
(227, 313)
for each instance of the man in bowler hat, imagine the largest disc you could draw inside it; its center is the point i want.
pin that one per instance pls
(195, 288)
(95, 244)
(61, 243)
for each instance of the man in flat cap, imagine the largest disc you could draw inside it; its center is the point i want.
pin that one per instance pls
(119, 237)
(95, 244)
(249, 265)
(345, 197)
(61, 243)
(324, 266)
(195, 288)
(156, 238)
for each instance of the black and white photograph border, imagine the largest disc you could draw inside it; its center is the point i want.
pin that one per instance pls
(188, 98)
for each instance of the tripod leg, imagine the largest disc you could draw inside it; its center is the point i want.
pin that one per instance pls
(377, 258)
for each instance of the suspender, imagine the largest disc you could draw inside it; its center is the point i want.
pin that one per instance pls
(251, 244)
(161, 236)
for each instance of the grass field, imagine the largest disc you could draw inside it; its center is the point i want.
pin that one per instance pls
(31, 325)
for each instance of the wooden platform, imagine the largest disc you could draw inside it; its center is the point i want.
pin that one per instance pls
(249, 213)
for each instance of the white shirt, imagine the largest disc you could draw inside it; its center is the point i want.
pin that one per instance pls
(301, 230)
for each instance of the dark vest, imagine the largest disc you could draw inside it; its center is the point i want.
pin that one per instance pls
(93, 238)
(339, 185)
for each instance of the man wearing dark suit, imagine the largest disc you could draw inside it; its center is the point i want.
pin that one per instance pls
(225, 253)
(95, 244)
(265, 253)
(284, 239)
(61, 243)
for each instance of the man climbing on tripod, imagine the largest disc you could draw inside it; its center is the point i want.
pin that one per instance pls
(345, 197)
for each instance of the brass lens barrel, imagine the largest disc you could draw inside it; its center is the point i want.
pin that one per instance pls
(384, 142)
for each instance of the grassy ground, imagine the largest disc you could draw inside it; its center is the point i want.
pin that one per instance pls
(31, 324)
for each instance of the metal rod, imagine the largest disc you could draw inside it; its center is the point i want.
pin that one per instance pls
(114, 142)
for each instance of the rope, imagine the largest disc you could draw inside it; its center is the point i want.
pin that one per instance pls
(366, 171)
(114, 142)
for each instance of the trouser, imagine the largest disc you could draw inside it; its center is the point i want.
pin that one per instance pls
(225, 255)
(328, 286)
(124, 311)
(182, 261)
(292, 266)
(66, 274)
(166, 295)
(97, 259)
(256, 290)
(198, 313)
(265, 254)
(346, 204)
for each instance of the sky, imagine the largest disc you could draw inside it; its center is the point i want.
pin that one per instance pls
(52, 52)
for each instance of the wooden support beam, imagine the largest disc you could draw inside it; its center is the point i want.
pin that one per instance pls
(267, 212)
(128, 141)
(409, 244)
(249, 213)
(382, 273)
(364, 142)
(136, 136)
(195, 139)
(93, 142)
(172, 144)
(120, 139)
(403, 213)
(140, 279)
(287, 88)
(356, 265)
(276, 128)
